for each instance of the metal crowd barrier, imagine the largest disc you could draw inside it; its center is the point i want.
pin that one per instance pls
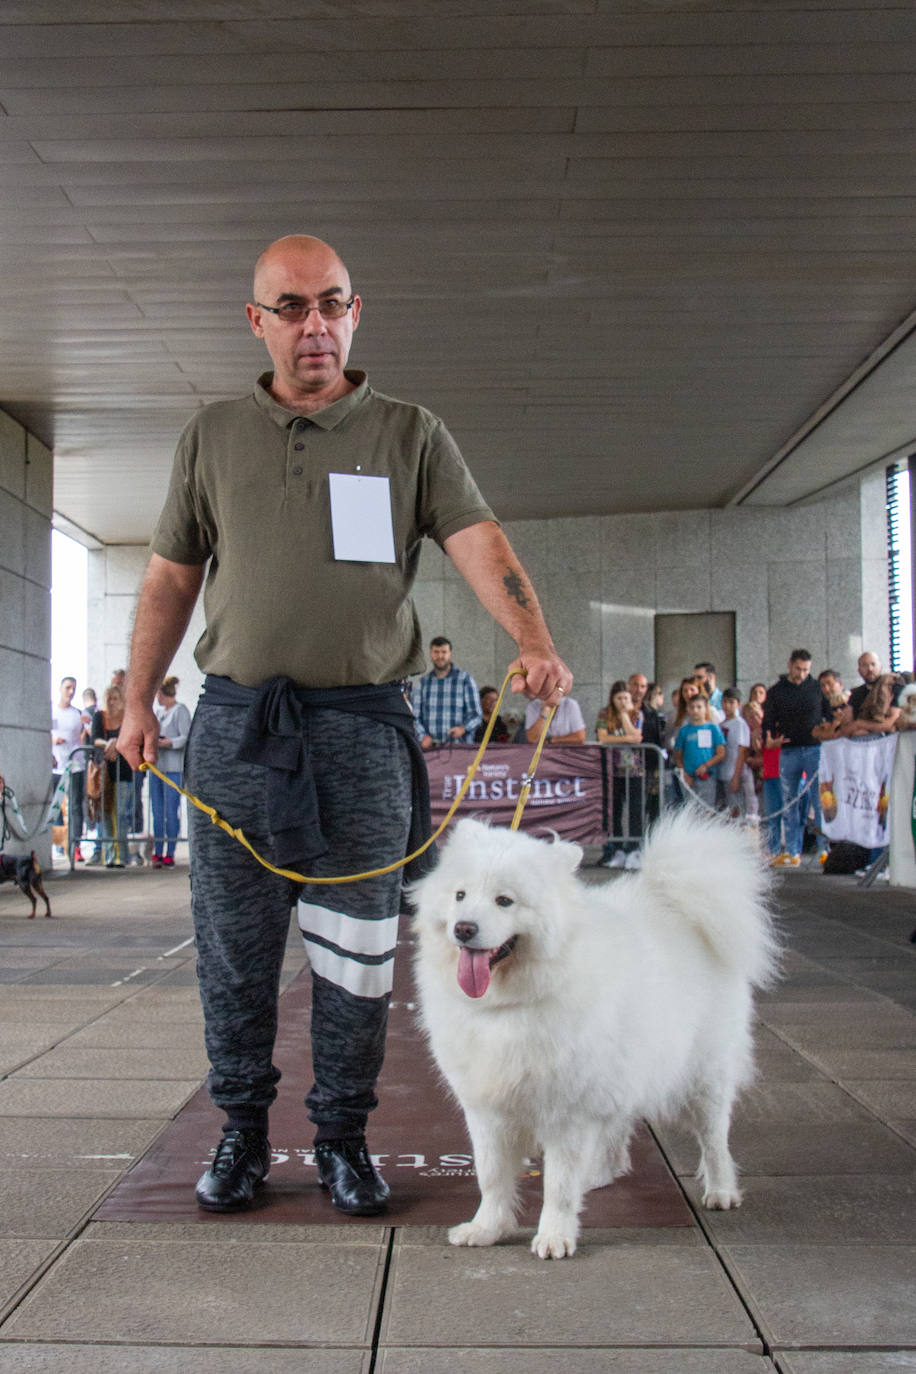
(634, 791)
(136, 810)
(637, 788)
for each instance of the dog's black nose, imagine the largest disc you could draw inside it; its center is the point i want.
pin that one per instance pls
(465, 931)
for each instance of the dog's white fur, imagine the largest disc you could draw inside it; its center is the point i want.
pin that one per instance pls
(626, 1000)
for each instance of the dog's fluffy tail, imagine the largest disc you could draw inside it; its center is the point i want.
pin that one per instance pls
(710, 872)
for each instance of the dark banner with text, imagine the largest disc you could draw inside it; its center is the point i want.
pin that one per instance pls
(567, 796)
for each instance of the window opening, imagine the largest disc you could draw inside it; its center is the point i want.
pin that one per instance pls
(899, 564)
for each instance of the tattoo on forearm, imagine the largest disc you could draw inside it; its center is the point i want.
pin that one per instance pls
(515, 588)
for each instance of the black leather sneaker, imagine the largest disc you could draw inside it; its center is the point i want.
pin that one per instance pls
(241, 1164)
(347, 1172)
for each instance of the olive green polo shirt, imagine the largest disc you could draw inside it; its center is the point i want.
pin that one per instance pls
(250, 492)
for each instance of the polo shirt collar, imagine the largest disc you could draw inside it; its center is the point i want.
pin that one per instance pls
(327, 418)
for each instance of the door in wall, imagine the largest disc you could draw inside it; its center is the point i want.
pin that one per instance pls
(683, 639)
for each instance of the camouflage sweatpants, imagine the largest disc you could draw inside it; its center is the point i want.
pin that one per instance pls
(242, 912)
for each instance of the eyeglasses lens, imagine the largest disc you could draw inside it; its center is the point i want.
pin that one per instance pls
(295, 311)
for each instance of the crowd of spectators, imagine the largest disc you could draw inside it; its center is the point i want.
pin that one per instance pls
(753, 758)
(104, 795)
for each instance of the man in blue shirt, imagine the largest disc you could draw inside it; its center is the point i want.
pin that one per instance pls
(447, 703)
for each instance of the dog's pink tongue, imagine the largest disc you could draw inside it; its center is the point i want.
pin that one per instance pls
(474, 971)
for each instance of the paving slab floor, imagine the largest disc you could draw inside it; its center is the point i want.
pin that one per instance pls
(101, 1051)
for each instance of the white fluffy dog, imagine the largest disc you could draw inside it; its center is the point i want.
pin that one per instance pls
(561, 1013)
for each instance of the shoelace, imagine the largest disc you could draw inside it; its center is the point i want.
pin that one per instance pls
(356, 1155)
(227, 1152)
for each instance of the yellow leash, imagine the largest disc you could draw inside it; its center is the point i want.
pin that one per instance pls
(239, 835)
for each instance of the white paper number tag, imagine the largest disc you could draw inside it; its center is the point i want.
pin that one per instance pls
(361, 518)
(704, 739)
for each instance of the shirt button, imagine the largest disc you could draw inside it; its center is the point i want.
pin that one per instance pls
(301, 424)
(298, 446)
(297, 472)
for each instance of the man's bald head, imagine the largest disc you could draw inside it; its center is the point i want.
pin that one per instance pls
(309, 351)
(295, 252)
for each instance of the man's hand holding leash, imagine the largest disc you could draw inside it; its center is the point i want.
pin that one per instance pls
(542, 676)
(138, 737)
(167, 599)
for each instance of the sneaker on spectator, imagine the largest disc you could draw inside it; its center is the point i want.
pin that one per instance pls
(633, 860)
(617, 860)
(792, 861)
(77, 855)
(779, 860)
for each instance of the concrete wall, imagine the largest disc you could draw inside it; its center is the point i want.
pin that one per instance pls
(814, 577)
(115, 575)
(26, 478)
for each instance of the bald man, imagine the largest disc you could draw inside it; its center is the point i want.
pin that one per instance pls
(851, 721)
(309, 499)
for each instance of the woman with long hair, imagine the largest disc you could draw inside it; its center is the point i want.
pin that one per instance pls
(690, 687)
(117, 779)
(619, 721)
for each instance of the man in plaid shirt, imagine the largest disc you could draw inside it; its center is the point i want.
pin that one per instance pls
(447, 704)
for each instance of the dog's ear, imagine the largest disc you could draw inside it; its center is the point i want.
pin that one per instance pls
(568, 854)
(467, 825)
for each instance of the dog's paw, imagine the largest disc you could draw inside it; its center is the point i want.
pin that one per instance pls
(471, 1233)
(549, 1246)
(721, 1199)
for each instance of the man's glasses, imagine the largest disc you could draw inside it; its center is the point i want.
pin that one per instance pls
(294, 312)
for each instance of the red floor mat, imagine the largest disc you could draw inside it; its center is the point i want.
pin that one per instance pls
(417, 1134)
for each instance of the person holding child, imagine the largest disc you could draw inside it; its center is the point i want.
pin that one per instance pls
(879, 711)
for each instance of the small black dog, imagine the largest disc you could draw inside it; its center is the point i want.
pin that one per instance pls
(23, 870)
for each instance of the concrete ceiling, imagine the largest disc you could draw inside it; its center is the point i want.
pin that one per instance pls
(639, 254)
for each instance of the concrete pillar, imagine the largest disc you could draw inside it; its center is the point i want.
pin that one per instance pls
(911, 468)
(26, 485)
